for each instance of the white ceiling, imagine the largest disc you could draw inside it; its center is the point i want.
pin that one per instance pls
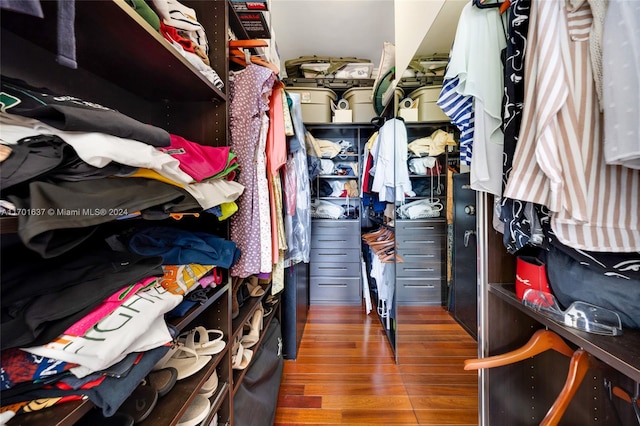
(351, 27)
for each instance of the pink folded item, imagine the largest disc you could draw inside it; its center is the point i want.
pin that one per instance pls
(107, 306)
(198, 161)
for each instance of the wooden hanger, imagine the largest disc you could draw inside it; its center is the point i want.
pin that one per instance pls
(244, 57)
(578, 367)
(541, 341)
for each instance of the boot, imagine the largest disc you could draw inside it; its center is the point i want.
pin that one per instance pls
(235, 307)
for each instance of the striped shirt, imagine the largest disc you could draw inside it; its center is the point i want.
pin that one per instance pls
(559, 159)
(459, 108)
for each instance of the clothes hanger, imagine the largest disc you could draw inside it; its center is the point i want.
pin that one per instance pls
(541, 341)
(244, 57)
(578, 367)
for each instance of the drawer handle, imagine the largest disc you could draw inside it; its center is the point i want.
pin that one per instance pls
(420, 269)
(418, 255)
(331, 285)
(332, 241)
(420, 286)
(336, 268)
(332, 254)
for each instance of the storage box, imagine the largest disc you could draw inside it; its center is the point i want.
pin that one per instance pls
(343, 116)
(356, 70)
(428, 110)
(315, 102)
(360, 102)
(315, 70)
(408, 114)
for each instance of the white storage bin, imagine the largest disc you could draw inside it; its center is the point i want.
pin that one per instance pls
(315, 102)
(428, 110)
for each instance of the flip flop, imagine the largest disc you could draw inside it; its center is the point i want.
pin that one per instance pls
(163, 380)
(210, 386)
(196, 412)
(200, 339)
(140, 403)
(184, 359)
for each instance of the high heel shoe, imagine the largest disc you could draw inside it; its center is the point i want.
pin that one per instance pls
(251, 338)
(253, 284)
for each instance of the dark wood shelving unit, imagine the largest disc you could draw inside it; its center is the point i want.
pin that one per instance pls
(114, 42)
(620, 352)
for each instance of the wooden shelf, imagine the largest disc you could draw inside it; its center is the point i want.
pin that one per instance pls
(114, 42)
(620, 352)
(58, 415)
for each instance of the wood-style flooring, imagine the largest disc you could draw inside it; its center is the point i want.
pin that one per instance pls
(345, 372)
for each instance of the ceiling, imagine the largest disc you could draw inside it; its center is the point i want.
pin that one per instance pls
(353, 27)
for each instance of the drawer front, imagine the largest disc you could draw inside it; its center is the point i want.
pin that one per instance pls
(416, 228)
(425, 252)
(419, 270)
(335, 241)
(419, 291)
(336, 254)
(340, 228)
(338, 290)
(421, 241)
(336, 269)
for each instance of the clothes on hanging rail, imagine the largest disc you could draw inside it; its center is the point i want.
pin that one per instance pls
(559, 160)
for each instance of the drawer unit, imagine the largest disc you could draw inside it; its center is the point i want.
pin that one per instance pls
(335, 290)
(421, 273)
(335, 266)
(419, 291)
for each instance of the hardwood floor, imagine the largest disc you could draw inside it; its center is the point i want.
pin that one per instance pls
(345, 372)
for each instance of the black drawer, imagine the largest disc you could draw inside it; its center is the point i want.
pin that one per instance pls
(335, 290)
(419, 291)
(335, 269)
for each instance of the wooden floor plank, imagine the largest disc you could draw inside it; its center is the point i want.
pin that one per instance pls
(346, 372)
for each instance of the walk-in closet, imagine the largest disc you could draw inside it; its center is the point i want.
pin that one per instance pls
(303, 212)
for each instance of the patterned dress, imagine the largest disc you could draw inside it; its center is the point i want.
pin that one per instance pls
(249, 91)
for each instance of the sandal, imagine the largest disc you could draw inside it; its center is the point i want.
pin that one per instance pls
(253, 284)
(184, 359)
(241, 357)
(200, 339)
(250, 339)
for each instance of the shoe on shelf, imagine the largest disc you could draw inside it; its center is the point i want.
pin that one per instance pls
(196, 412)
(184, 359)
(203, 341)
(255, 326)
(254, 287)
(241, 356)
(210, 386)
(162, 380)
